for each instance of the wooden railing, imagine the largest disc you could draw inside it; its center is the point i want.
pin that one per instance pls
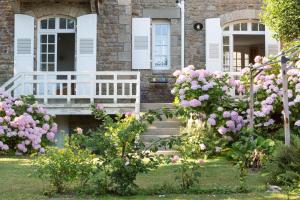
(108, 87)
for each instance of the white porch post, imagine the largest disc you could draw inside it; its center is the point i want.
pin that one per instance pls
(181, 5)
(138, 95)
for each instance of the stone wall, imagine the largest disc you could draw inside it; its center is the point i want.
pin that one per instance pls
(114, 33)
(6, 39)
(196, 11)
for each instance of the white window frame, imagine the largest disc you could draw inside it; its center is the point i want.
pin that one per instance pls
(54, 32)
(161, 22)
(231, 32)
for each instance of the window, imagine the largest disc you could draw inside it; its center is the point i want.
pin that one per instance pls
(51, 32)
(47, 52)
(258, 27)
(226, 53)
(57, 23)
(161, 45)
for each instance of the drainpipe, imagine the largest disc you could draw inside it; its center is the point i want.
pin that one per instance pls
(181, 5)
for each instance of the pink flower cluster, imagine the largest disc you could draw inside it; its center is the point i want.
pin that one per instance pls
(271, 86)
(24, 126)
(234, 122)
(190, 81)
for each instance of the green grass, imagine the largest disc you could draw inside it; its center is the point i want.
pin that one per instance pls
(16, 183)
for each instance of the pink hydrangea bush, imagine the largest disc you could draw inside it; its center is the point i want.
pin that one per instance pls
(268, 98)
(25, 127)
(209, 95)
(206, 98)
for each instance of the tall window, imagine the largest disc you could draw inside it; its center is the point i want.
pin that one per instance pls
(161, 45)
(51, 32)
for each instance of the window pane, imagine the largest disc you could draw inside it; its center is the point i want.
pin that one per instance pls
(244, 26)
(44, 67)
(44, 57)
(51, 67)
(226, 40)
(44, 48)
(44, 24)
(51, 39)
(51, 48)
(71, 24)
(62, 23)
(237, 27)
(261, 27)
(51, 23)
(254, 26)
(226, 28)
(51, 58)
(44, 38)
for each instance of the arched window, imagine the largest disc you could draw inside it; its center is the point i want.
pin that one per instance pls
(56, 44)
(242, 41)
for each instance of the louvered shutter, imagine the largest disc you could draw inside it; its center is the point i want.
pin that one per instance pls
(272, 45)
(213, 44)
(86, 59)
(24, 40)
(23, 52)
(141, 43)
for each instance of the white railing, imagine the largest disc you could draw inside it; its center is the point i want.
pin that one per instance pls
(107, 87)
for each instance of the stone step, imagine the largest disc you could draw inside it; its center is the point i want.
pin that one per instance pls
(162, 131)
(156, 106)
(166, 124)
(153, 138)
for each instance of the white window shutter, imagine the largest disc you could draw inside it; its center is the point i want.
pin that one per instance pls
(86, 43)
(86, 58)
(141, 43)
(213, 44)
(272, 45)
(23, 43)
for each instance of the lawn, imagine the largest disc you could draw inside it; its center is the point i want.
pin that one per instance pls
(17, 183)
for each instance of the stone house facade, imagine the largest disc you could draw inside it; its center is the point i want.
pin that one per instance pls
(131, 35)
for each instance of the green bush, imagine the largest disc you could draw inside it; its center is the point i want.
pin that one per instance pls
(64, 166)
(250, 151)
(284, 167)
(121, 153)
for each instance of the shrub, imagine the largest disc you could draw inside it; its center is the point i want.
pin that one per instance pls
(250, 151)
(284, 167)
(121, 152)
(188, 172)
(63, 166)
(25, 127)
(268, 98)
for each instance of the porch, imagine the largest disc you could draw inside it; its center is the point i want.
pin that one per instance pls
(72, 93)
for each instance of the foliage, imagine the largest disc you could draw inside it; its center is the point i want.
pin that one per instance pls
(283, 17)
(205, 97)
(63, 166)
(187, 172)
(250, 151)
(196, 140)
(268, 98)
(25, 127)
(284, 166)
(121, 152)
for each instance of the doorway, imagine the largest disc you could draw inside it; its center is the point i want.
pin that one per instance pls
(66, 52)
(245, 49)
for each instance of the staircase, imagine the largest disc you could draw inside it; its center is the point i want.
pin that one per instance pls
(161, 130)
